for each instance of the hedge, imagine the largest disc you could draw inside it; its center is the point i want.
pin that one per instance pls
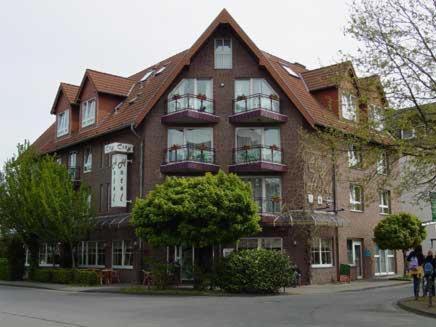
(4, 269)
(65, 276)
(255, 271)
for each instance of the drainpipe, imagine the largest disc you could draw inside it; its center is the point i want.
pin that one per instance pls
(141, 160)
(335, 207)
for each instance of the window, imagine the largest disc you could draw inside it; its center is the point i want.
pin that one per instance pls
(223, 53)
(384, 262)
(48, 255)
(290, 71)
(269, 243)
(122, 254)
(356, 197)
(322, 252)
(192, 144)
(382, 164)
(349, 106)
(147, 75)
(258, 144)
(354, 249)
(255, 93)
(191, 93)
(267, 192)
(160, 70)
(408, 134)
(88, 112)
(354, 156)
(59, 161)
(91, 253)
(385, 202)
(433, 205)
(63, 123)
(72, 166)
(87, 160)
(376, 115)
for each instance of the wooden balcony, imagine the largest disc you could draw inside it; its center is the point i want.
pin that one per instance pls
(257, 108)
(258, 159)
(189, 160)
(189, 109)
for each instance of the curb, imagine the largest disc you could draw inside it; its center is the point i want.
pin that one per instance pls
(375, 287)
(400, 303)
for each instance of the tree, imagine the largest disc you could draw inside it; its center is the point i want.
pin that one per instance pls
(198, 211)
(39, 203)
(400, 231)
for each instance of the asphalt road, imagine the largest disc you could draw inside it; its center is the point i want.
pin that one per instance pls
(21, 307)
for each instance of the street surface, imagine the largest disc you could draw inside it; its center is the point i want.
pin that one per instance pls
(22, 307)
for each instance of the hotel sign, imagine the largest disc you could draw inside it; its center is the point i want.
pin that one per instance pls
(118, 147)
(119, 180)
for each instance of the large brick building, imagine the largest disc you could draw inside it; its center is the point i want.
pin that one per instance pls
(221, 104)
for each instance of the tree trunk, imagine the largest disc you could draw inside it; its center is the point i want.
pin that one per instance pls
(404, 263)
(73, 259)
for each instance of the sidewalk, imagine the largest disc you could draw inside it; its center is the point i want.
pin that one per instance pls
(65, 287)
(419, 307)
(359, 285)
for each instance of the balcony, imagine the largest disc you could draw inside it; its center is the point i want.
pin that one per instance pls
(257, 108)
(258, 158)
(189, 109)
(74, 173)
(271, 205)
(189, 159)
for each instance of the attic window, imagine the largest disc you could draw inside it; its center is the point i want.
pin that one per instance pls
(147, 75)
(160, 70)
(290, 71)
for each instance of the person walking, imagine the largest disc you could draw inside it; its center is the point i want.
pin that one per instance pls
(415, 261)
(429, 268)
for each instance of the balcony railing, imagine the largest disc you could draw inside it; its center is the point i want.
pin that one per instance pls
(254, 153)
(198, 103)
(271, 205)
(256, 101)
(74, 173)
(196, 153)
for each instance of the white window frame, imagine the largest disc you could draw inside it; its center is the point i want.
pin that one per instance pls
(262, 129)
(85, 255)
(259, 242)
(246, 178)
(353, 250)
(377, 256)
(223, 53)
(353, 201)
(382, 166)
(319, 253)
(184, 134)
(88, 118)
(384, 208)
(63, 123)
(412, 134)
(349, 107)
(87, 160)
(354, 157)
(46, 246)
(376, 116)
(123, 254)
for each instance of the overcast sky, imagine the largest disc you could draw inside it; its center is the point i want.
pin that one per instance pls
(45, 42)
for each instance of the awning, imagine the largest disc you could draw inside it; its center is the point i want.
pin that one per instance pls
(303, 217)
(116, 220)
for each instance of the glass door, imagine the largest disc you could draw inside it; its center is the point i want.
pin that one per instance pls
(357, 250)
(185, 257)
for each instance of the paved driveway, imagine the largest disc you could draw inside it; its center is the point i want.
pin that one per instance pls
(32, 307)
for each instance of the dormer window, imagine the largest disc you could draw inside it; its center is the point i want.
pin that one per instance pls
(349, 106)
(223, 53)
(63, 123)
(376, 116)
(88, 112)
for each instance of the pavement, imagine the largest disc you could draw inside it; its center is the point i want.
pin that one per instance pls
(420, 307)
(24, 306)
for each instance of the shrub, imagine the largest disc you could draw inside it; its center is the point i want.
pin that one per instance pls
(62, 276)
(65, 276)
(255, 271)
(4, 269)
(41, 275)
(162, 273)
(86, 277)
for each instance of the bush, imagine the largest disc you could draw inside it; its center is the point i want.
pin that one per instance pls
(4, 269)
(86, 277)
(162, 273)
(41, 275)
(62, 276)
(65, 276)
(255, 271)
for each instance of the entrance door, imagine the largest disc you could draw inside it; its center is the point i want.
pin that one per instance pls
(357, 253)
(185, 256)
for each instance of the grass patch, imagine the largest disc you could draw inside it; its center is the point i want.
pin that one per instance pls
(171, 291)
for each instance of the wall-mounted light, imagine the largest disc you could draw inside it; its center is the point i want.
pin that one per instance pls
(221, 84)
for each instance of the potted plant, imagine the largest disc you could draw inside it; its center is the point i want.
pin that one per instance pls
(273, 97)
(273, 147)
(246, 147)
(241, 97)
(176, 96)
(201, 97)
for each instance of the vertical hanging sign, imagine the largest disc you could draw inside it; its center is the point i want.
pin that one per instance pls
(119, 180)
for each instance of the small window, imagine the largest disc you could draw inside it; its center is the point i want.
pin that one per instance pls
(408, 134)
(88, 113)
(160, 70)
(290, 71)
(269, 243)
(63, 123)
(382, 164)
(223, 53)
(349, 106)
(354, 156)
(385, 202)
(376, 115)
(122, 254)
(356, 198)
(87, 160)
(147, 75)
(322, 250)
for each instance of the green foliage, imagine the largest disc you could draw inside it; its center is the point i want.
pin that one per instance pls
(16, 256)
(255, 271)
(4, 269)
(65, 276)
(198, 211)
(344, 269)
(162, 273)
(400, 231)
